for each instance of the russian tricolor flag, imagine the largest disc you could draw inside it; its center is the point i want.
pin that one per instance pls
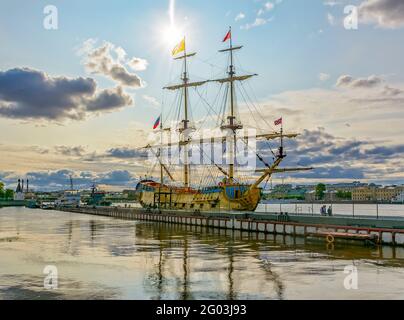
(157, 123)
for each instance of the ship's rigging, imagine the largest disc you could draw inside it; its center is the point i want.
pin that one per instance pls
(228, 120)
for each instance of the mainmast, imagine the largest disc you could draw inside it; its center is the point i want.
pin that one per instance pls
(232, 124)
(186, 120)
(184, 130)
(161, 153)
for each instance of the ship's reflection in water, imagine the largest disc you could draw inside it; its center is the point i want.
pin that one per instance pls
(104, 258)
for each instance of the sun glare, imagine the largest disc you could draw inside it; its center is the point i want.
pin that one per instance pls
(172, 35)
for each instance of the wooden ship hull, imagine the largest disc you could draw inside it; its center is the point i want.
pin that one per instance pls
(224, 198)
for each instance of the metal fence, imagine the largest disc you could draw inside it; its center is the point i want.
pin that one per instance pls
(374, 210)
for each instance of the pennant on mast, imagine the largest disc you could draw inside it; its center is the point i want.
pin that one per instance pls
(228, 36)
(179, 48)
(278, 122)
(157, 123)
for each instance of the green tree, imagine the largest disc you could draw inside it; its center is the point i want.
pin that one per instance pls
(320, 190)
(9, 194)
(344, 195)
(2, 190)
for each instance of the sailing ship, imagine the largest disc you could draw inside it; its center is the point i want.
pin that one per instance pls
(229, 193)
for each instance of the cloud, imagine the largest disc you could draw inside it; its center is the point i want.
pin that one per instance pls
(258, 22)
(349, 81)
(341, 158)
(60, 179)
(371, 143)
(268, 6)
(152, 100)
(331, 3)
(330, 19)
(383, 13)
(138, 64)
(126, 153)
(117, 177)
(31, 94)
(389, 91)
(109, 60)
(76, 151)
(240, 16)
(323, 76)
(109, 99)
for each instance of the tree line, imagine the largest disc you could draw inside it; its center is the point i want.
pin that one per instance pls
(6, 194)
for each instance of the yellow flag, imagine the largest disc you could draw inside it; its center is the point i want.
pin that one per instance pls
(179, 47)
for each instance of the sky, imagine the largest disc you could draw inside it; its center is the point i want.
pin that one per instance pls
(80, 96)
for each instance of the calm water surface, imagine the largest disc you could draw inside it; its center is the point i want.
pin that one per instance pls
(105, 258)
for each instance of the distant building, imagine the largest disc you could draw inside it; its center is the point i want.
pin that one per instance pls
(375, 193)
(331, 195)
(345, 186)
(19, 192)
(399, 198)
(310, 196)
(286, 191)
(364, 194)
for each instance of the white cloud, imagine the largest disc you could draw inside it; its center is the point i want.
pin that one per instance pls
(152, 100)
(331, 3)
(364, 105)
(110, 60)
(258, 22)
(138, 64)
(349, 81)
(323, 76)
(330, 19)
(268, 6)
(240, 16)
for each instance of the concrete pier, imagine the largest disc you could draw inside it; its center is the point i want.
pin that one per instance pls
(381, 231)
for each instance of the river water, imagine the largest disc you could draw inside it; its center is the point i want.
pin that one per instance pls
(106, 258)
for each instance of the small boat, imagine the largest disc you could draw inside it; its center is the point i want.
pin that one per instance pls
(69, 198)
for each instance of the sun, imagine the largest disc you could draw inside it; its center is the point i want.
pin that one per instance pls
(172, 35)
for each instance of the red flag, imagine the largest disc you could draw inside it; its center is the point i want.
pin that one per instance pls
(228, 36)
(157, 123)
(278, 122)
